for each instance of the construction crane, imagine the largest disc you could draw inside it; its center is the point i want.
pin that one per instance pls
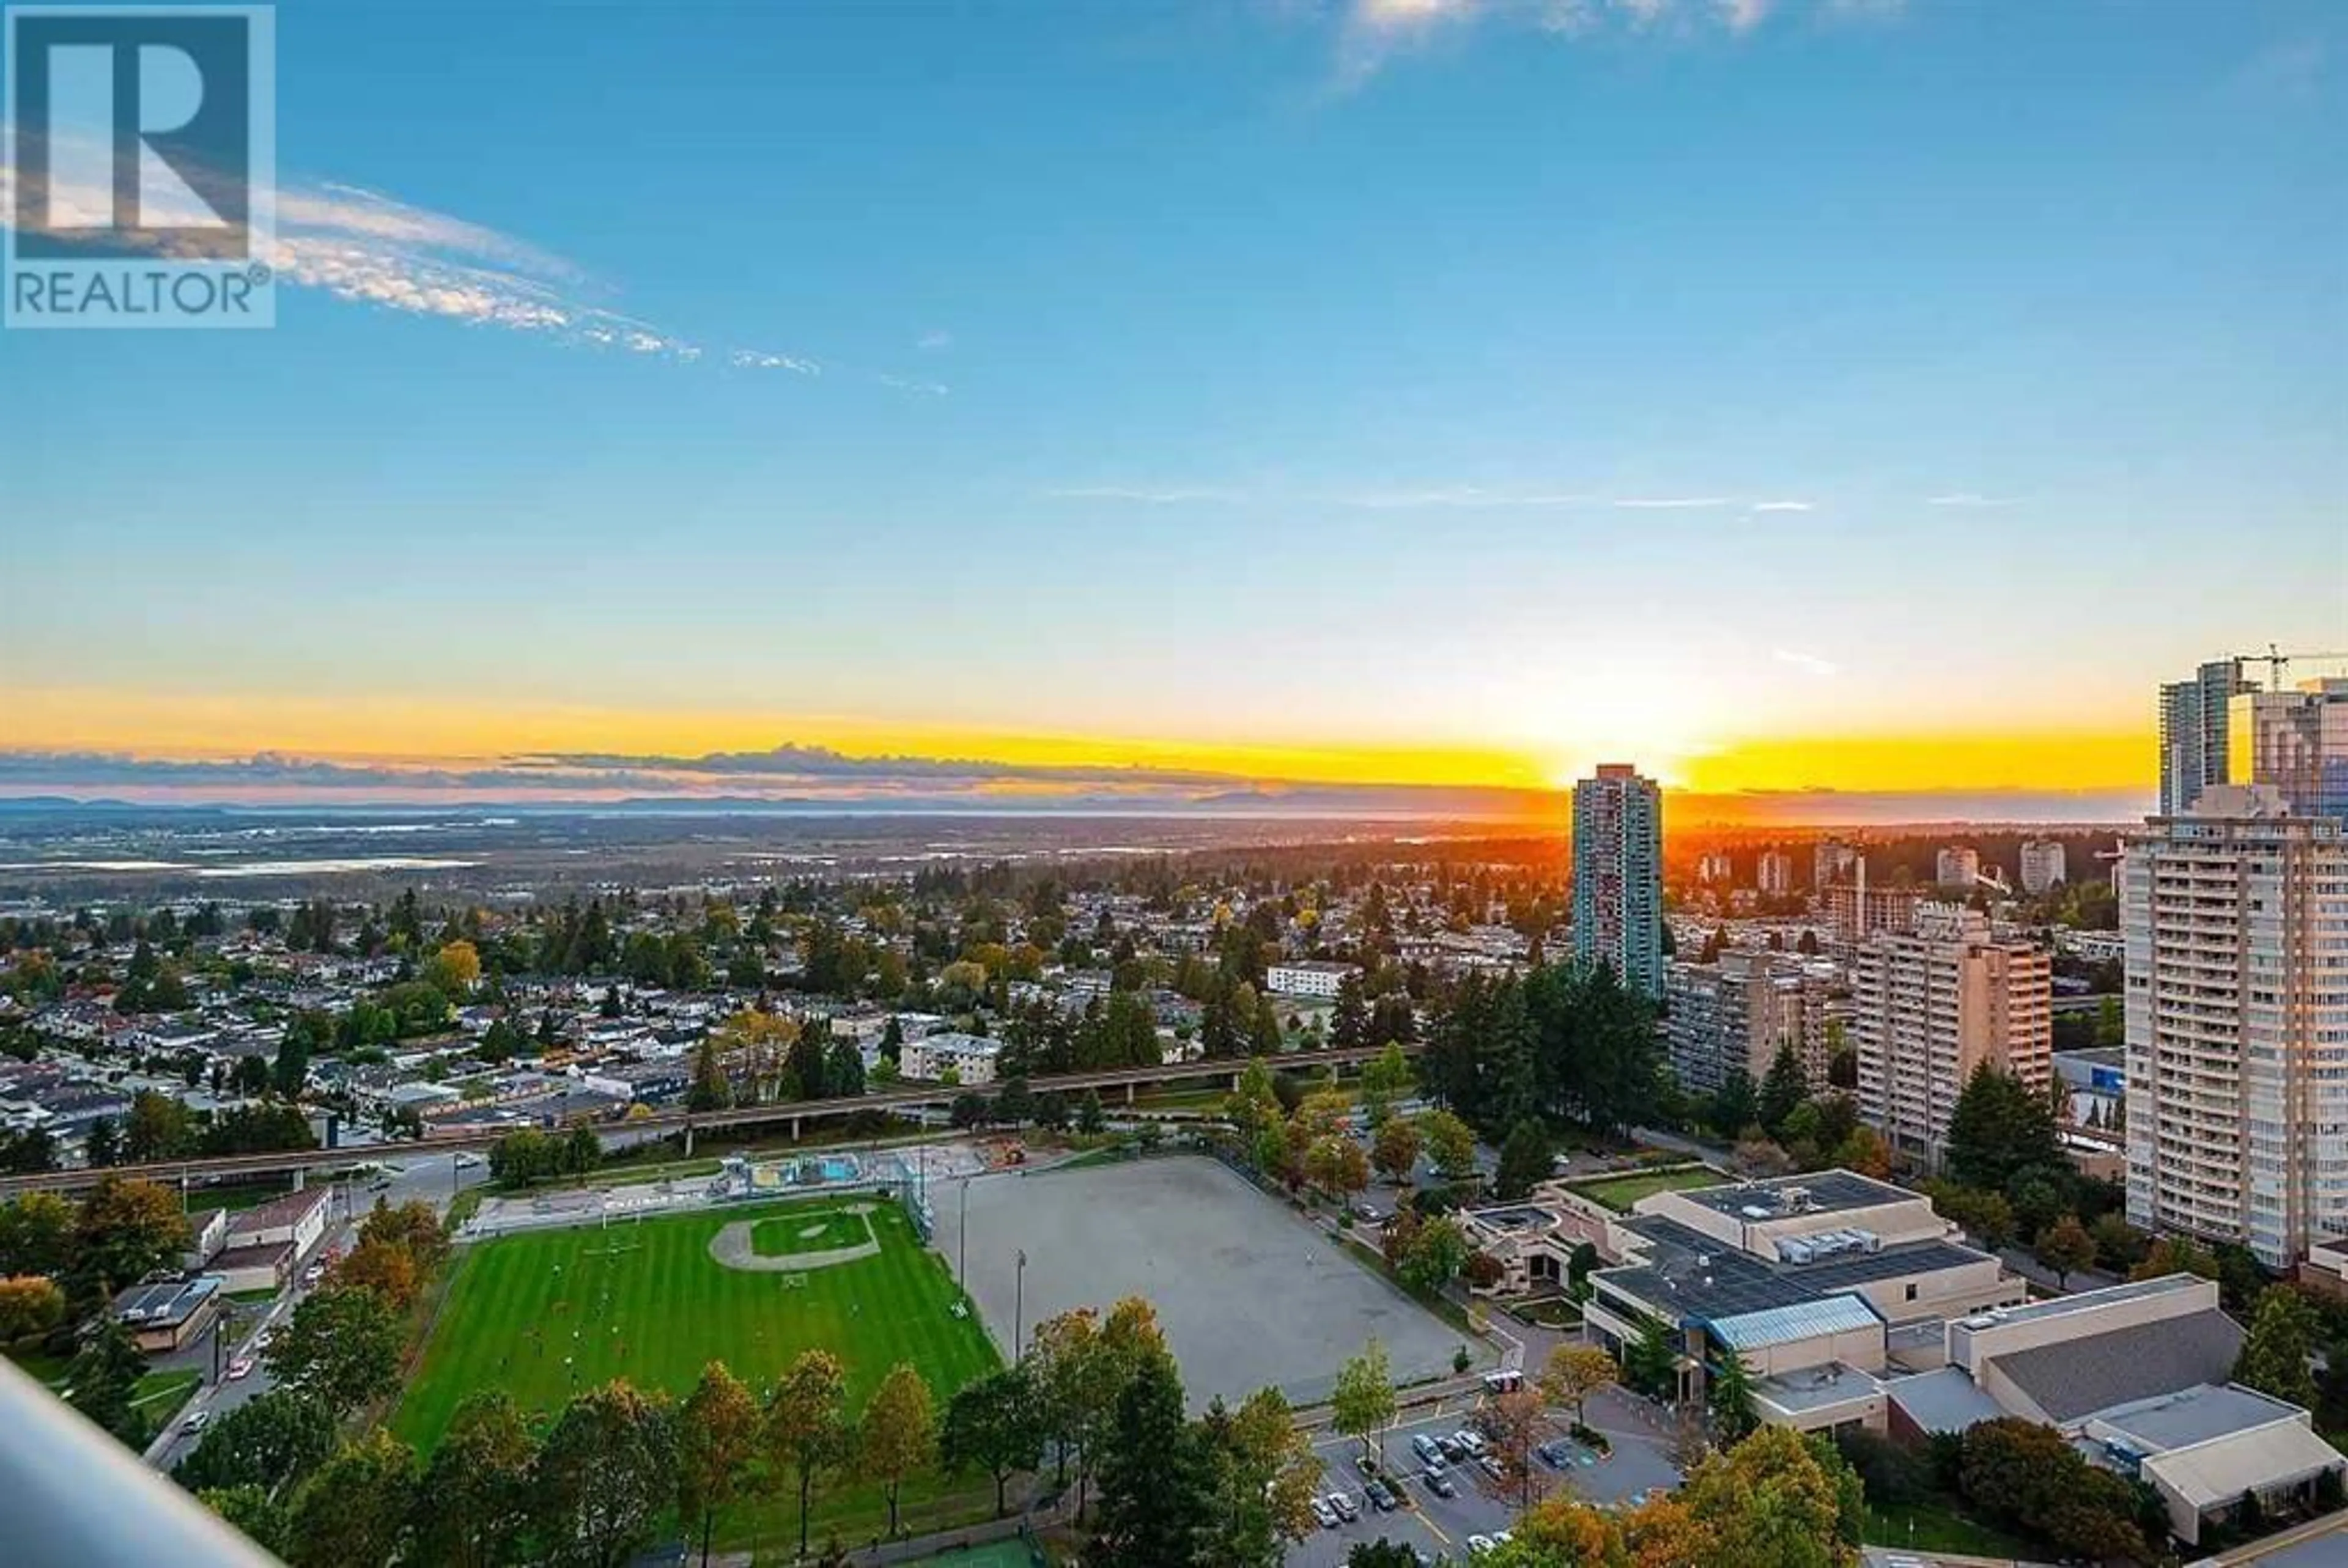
(2274, 659)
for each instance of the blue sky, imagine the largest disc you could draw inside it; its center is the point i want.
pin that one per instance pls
(1232, 378)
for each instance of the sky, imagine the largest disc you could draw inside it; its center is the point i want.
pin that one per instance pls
(1782, 394)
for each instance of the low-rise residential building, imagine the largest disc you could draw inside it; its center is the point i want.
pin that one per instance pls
(1307, 977)
(971, 1058)
(298, 1219)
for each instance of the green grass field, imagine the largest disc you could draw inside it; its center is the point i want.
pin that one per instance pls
(794, 1232)
(546, 1313)
(1619, 1193)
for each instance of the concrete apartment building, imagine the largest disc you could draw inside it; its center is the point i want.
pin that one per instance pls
(1931, 1006)
(1858, 911)
(2041, 865)
(2235, 920)
(1956, 867)
(1832, 861)
(1317, 977)
(972, 1059)
(1738, 1011)
(2296, 742)
(1774, 874)
(2193, 732)
(1618, 875)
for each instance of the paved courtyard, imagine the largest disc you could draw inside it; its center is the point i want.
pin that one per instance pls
(1249, 1294)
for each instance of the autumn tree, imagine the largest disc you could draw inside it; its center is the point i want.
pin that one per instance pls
(382, 1267)
(807, 1432)
(899, 1434)
(454, 970)
(2065, 1246)
(1513, 1422)
(125, 1230)
(1395, 1148)
(29, 1303)
(718, 1444)
(1574, 1372)
(1451, 1143)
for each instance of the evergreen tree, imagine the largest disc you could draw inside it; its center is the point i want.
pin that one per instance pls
(2276, 1350)
(1524, 1160)
(1154, 1495)
(1783, 1089)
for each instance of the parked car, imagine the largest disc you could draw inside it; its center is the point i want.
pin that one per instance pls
(1380, 1498)
(195, 1423)
(240, 1369)
(1470, 1439)
(1453, 1449)
(1489, 1466)
(1439, 1482)
(1479, 1544)
(1347, 1509)
(1426, 1448)
(1324, 1513)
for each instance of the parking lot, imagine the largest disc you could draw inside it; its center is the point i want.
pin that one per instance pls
(1442, 1526)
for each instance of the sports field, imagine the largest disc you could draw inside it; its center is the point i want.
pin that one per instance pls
(545, 1314)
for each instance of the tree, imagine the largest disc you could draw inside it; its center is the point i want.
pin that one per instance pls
(2064, 1246)
(37, 1235)
(717, 1433)
(268, 1441)
(1362, 1402)
(383, 1267)
(1524, 1160)
(2277, 1350)
(125, 1230)
(1394, 1149)
(1987, 1218)
(807, 1428)
(1381, 1554)
(340, 1345)
(1513, 1422)
(354, 1511)
(1730, 1398)
(1337, 1165)
(605, 1474)
(1349, 1020)
(1735, 1104)
(710, 1090)
(995, 1425)
(474, 1500)
(1451, 1143)
(1090, 1119)
(1436, 1258)
(1154, 1498)
(1267, 1460)
(2028, 1478)
(251, 1512)
(1783, 1089)
(102, 1375)
(899, 1435)
(29, 1303)
(1384, 1080)
(454, 970)
(1775, 1497)
(1574, 1372)
(521, 1158)
(1999, 1128)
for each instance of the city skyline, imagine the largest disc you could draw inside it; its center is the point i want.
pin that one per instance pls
(1776, 396)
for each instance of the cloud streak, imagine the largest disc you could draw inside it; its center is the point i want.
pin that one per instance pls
(366, 248)
(1968, 498)
(1467, 497)
(1810, 663)
(1371, 33)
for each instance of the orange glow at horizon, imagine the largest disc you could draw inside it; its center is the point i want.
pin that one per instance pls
(415, 732)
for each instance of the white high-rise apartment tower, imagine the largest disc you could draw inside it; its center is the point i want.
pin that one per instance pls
(2193, 732)
(1618, 875)
(2235, 919)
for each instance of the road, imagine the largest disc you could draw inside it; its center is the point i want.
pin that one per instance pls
(1129, 1079)
(434, 1178)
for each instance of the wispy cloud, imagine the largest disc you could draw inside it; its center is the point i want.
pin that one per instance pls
(935, 342)
(1784, 506)
(1968, 498)
(1370, 33)
(371, 248)
(1810, 663)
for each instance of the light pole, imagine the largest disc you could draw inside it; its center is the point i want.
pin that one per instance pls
(1019, 1308)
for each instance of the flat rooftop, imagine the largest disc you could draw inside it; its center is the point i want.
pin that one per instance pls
(1819, 1193)
(2088, 1300)
(1701, 1277)
(2196, 1415)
